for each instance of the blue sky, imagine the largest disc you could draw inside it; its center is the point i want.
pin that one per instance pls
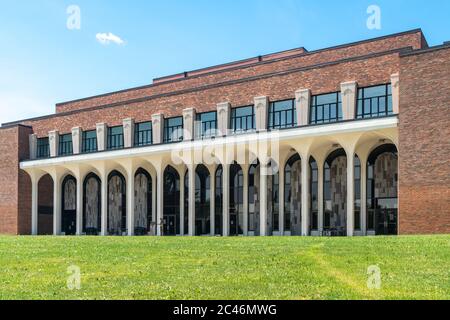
(42, 62)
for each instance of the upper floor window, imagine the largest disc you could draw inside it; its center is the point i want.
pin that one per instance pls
(326, 108)
(115, 138)
(43, 148)
(65, 144)
(143, 134)
(89, 141)
(206, 125)
(374, 102)
(282, 114)
(173, 129)
(243, 119)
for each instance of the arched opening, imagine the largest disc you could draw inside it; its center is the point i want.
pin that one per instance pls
(382, 191)
(218, 210)
(117, 205)
(314, 195)
(142, 202)
(273, 198)
(293, 196)
(69, 206)
(45, 205)
(357, 213)
(186, 203)
(335, 194)
(171, 218)
(202, 201)
(92, 205)
(236, 200)
(253, 199)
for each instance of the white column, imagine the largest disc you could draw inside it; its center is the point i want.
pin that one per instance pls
(281, 198)
(263, 199)
(158, 128)
(245, 202)
(188, 124)
(79, 218)
(349, 95)
(363, 196)
(104, 200)
(261, 113)
(350, 192)
(56, 205)
(320, 198)
(303, 100)
(34, 205)
(128, 133)
(102, 136)
(33, 146)
(212, 200)
(226, 199)
(159, 201)
(182, 192)
(154, 182)
(305, 195)
(77, 141)
(395, 84)
(191, 200)
(130, 201)
(53, 137)
(223, 118)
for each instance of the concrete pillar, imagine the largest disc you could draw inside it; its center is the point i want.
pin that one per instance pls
(189, 124)
(56, 205)
(128, 133)
(305, 195)
(79, 218)
(34, 205)
(395, 84)
(261, 113)
(320, 198)
(303, 100)
(223, 118)
(182, 193)
(245, 202)
(104, 200)
(102, 136)
(53, 138)
(349, 92)
(191, 200)
(363, 196)
(33, 146)
(226, 199)
(264, 169)
(350, 192)
(281, 198)
(212, 201)
(158, 128)
(154, 182)
(130, 201)
(160, 200)
(77, 135)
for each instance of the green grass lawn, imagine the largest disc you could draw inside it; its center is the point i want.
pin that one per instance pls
(225, 268)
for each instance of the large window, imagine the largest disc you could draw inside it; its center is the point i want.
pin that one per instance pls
(375, 102)
(242, 119)
(65, 144)
(115, 138)
(143, 134)
(206, 125)
(89, 141)
(282, 114)
(173, 129)
(326, 108)
(43, 148)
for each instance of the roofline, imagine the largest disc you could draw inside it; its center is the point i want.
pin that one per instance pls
(216, 85)
(417, 30)
(445, 45)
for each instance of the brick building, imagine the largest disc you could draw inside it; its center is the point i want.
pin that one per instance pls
(348, 140)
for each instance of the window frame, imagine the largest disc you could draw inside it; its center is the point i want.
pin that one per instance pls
(169, 130)
(362, 100)
(65, 147)
(143, 137)
(119, 136)
(314, 109)
(234, 119)
(93, 143)
(273, 115)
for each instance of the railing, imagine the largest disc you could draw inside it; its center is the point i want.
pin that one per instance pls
(143, 138)
(65, 148)
(208, 129)
(173, 133)
(115, 141)
(282, 119)
(89, 145)
(243, 123)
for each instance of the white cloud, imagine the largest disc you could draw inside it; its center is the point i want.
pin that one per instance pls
(107, 38)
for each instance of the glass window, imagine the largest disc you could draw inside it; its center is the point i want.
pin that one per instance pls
(326, 108)
(282, 114)
(206, 125)
(374, 102)
(242, 119)
(173, 129)
(115, 138)
(89, 141)
(43, 148)
(65, 144)
(143, 134)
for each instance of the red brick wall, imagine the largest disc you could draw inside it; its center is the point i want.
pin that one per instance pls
(412, 39)
(424, 193)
